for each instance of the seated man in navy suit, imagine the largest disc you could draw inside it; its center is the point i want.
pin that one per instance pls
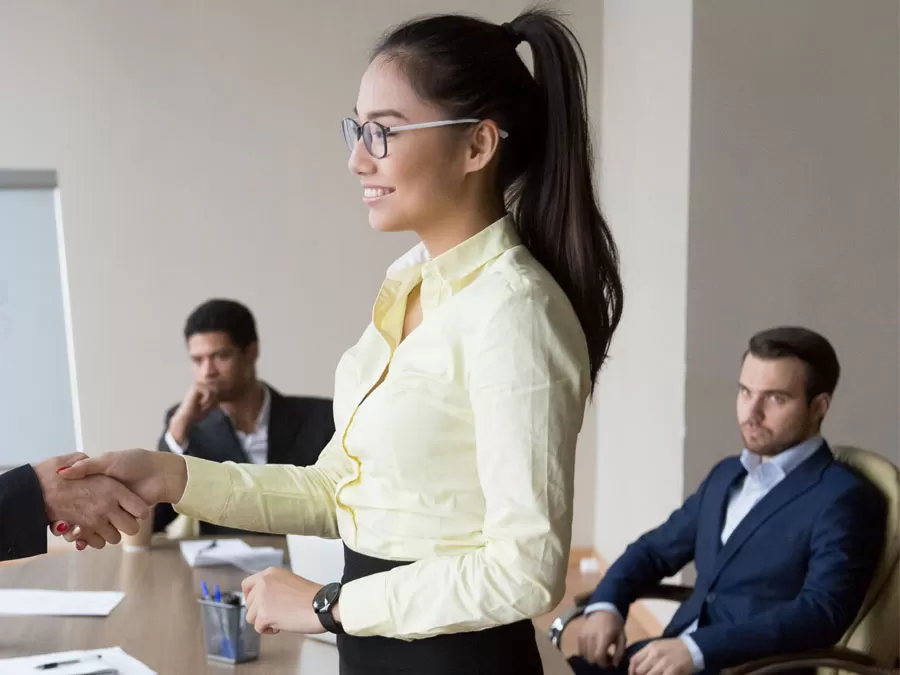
(785, 539)
(230, 415)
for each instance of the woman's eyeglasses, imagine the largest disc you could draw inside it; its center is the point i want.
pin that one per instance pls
(374, 135)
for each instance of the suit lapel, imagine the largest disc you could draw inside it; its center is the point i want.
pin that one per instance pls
(795, 484)
(217, 427)
(718, 495)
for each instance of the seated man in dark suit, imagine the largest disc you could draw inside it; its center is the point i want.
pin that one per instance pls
(228, 414)
(785, 539)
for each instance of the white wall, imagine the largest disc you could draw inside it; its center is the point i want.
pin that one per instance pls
(199, 154)
(794, 207)
(587, 19)
(645, 151)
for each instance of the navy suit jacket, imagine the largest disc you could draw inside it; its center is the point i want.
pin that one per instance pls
(792, 576)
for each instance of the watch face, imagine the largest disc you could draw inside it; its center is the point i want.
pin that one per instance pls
(331, 593)
(326, 597)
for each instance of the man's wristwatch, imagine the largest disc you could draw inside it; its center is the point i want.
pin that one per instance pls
(323, 605)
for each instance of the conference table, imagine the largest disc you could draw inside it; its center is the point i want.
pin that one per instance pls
(158, 620)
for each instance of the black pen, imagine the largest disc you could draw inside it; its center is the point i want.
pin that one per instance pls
(58, 664)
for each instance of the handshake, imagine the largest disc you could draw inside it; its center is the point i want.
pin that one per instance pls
(94, 500)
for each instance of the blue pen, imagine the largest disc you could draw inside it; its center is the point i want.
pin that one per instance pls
(221, 623)
(226, 646)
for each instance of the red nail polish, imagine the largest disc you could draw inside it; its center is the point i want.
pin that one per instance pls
(61, 527)
(62, 468)
(80, 545)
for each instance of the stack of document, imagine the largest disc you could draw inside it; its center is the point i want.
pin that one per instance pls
(250, 559)
(112, 661)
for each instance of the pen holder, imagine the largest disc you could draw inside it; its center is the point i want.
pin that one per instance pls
(228, 636)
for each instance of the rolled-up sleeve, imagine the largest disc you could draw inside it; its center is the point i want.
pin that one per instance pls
(275, 498)
(528, 381)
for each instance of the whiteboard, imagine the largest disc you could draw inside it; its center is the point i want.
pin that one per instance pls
(37, 403)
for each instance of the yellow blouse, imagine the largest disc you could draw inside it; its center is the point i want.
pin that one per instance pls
(461, 459)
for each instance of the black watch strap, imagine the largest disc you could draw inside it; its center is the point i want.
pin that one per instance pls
(326, 618)
(323, 606)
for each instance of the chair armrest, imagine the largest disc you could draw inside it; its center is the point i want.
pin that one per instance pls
(673, 592)
(582, 599)
(840, 658)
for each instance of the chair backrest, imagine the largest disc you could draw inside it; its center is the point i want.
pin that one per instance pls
(876, 630)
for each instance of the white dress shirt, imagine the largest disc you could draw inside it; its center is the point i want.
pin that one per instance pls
(255, 443)
(762, 476)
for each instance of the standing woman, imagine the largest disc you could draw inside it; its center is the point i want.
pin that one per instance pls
(451, 474)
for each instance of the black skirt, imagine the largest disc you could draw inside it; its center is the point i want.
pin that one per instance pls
(506, 649)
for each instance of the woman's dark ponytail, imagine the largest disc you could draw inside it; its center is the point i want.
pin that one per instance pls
(554, 203)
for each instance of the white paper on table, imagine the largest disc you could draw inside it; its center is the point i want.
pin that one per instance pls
(113, 657)
(35, 602)
(250, 559)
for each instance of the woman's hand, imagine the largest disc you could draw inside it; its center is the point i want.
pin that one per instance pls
(153, 476)
(278, 600)
(99, 506)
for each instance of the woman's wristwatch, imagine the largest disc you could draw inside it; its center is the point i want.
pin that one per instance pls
(323, 605)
